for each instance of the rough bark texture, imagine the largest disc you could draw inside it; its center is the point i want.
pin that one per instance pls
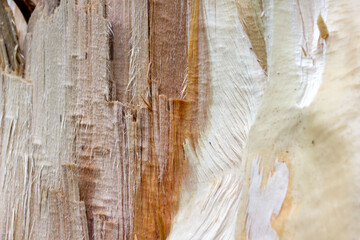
(184, 119)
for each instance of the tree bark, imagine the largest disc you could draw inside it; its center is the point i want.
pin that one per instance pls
(183, 119)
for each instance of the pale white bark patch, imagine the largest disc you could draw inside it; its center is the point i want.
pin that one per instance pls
(309, 47)
(263, 203)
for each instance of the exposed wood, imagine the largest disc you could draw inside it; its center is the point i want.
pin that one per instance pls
(194, 119)
(11, 58)
(168, 45)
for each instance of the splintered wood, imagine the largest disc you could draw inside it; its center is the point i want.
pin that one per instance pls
(93, 138)
(180, 119)
(11, 59)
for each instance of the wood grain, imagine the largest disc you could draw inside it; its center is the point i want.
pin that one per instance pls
(180, 120)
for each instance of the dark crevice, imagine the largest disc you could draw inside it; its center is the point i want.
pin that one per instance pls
(26, 7)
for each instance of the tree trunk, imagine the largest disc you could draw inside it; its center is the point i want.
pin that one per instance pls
(181, 119)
